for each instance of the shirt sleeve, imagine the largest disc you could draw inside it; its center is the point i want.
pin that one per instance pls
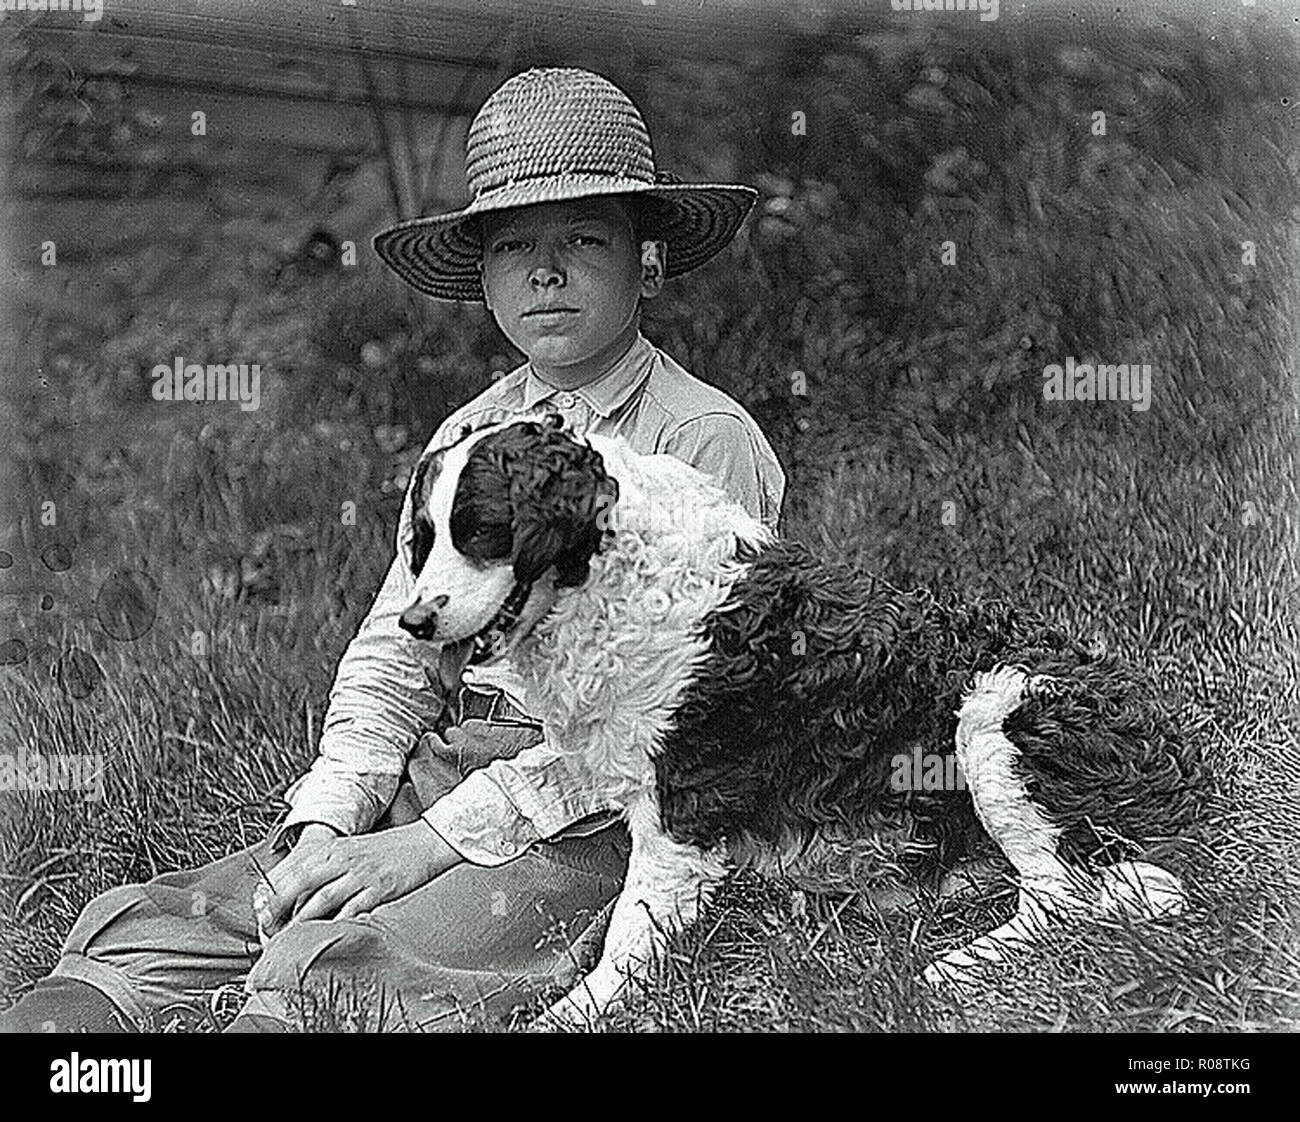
(498, 811)
(384, 694)
(739, 460)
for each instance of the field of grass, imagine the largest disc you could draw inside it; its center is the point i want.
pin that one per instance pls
(199, 746)
(921, 447)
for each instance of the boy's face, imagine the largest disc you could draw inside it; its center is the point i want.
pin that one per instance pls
(563, 280)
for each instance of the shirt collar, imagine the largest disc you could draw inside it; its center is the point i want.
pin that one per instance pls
(607, 392)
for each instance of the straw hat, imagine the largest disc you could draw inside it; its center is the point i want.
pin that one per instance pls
(549, 135)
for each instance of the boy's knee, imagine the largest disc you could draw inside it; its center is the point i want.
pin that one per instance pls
(104, 915)
(324, 974)
(317, 948)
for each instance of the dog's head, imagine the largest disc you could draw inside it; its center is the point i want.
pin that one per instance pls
(501, 521)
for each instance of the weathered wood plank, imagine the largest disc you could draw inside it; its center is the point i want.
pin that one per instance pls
(288, 73)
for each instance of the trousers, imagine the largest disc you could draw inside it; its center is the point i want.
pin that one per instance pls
(468, 948)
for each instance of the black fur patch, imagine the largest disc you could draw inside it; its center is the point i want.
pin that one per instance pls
(818, 676)
(1101, 754)
(534, 495)
(426, 471)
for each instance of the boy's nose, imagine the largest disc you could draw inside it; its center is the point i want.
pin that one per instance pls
(546, 276)
(421, 619)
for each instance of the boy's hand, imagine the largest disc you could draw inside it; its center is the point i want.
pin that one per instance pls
(338, 878)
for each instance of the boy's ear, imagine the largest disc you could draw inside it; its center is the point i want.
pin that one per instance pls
(654, 261)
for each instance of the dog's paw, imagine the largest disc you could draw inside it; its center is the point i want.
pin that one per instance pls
(1141, 890)
(966, 966)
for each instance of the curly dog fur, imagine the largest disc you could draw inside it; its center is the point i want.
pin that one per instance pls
(743, 701)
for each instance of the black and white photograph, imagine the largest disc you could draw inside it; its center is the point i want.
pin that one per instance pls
(650, 516)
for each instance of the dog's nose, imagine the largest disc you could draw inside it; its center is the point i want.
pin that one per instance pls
(421, 619)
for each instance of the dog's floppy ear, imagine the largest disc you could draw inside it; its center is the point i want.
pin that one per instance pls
(422, 533)
(426, 473)
(561, 496)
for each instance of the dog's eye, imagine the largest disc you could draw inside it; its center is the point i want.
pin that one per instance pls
(480, 531)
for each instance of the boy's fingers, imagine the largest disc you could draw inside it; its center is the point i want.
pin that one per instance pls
(325, 902)
(359, 904)
(292, 881)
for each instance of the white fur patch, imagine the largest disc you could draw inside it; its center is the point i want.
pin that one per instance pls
(606, 669)
(987, 757)
(667, 884)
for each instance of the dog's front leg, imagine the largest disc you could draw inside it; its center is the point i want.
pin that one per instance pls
(666, 884)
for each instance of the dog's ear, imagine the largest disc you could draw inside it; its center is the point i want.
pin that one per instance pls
(422, 533)
(560, 497)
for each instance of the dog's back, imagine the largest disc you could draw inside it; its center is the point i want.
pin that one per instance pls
(820, 679)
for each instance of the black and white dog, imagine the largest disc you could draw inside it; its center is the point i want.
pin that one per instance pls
(744, 702)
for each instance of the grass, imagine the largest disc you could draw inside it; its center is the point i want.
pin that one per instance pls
(199, 745)
(920, 446)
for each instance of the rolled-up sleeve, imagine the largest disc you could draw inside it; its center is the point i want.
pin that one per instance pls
(498, 811)
(739, 460)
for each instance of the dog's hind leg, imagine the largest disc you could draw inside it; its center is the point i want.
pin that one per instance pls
(666, 884)
(987, 757)
(868, 865)
(1049, 888)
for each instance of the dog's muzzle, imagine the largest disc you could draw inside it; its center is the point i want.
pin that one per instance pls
(421, 621)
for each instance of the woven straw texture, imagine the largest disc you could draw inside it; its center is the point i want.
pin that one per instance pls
(548, 135)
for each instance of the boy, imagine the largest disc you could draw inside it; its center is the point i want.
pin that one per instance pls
(436, 865)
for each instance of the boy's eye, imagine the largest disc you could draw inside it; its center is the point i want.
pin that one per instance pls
(512, 245)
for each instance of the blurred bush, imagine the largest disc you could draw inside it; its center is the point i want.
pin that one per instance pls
(869, 361)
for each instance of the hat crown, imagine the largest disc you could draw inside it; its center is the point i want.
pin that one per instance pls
(556, 122)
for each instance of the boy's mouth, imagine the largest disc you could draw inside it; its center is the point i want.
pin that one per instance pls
(549, 313)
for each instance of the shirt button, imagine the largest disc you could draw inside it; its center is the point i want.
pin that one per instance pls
(564, 400)
(507, 847)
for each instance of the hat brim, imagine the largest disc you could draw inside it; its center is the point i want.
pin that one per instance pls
(439, 256)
